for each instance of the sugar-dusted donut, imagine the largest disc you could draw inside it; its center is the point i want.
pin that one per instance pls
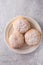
(21, 24)
(32, 37)
(16, 40)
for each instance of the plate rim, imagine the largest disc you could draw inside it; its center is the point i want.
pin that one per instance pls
(13, 49)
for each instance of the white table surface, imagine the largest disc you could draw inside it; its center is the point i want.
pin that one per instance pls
(13, 8)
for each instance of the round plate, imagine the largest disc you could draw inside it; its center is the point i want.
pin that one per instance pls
(26, 49)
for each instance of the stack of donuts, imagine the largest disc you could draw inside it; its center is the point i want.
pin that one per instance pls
(23, 34)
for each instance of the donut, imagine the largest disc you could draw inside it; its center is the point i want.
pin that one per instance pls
(21, 24)
(32, 37)
(16, 40)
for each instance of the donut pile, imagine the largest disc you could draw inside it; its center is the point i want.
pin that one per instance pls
(23, 34)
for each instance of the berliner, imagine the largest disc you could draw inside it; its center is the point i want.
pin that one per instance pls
(21, 24)
(32, 37)
(16, 40)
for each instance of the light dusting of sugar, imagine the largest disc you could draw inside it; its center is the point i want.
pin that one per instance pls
(32, 37)
(16, 39)
(22, 26)
(11, 39)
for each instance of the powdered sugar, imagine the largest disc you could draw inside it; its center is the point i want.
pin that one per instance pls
(21, 25)
(32, 37)
(16, 39)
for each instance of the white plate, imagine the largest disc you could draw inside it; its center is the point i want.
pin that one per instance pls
(26, 49)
